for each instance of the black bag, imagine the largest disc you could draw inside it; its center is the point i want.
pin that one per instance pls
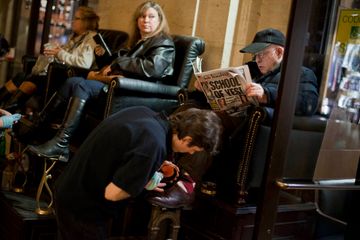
(4, 46)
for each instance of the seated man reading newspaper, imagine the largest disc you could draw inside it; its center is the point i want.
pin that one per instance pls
(230, 91)
(268, 51)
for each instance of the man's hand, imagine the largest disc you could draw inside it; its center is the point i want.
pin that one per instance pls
(169, 169)
(160, 187)
(197, 85)
(114, 193)
(256, 90)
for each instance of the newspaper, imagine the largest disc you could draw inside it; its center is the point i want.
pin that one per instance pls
(225, 88)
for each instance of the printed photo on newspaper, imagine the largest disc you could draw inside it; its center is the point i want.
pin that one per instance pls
(225, 89)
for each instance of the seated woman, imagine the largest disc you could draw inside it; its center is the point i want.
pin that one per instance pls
(151, 57)
(77, 52)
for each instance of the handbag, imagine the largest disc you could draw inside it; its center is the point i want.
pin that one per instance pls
(41, 65)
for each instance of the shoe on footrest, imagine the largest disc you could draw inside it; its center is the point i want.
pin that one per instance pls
(174, 197)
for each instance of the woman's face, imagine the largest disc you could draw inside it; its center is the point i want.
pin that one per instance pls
(148, 22)
(78, 24)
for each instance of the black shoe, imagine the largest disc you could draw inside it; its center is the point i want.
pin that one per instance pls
(54, 149)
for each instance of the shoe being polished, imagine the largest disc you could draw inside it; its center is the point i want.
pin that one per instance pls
(53, 149)
(174, 197)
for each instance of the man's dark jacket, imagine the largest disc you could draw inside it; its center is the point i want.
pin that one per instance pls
(307, 99)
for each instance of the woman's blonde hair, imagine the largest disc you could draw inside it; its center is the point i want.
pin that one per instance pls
(89, 17)
(163, 25)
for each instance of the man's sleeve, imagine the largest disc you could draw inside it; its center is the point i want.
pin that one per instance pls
(133, 176)
(307, 100)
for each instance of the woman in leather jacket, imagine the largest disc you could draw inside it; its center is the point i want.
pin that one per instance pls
(151, 57)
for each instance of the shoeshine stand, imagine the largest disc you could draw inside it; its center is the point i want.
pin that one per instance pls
(159, 215)
(43, 182)
(49, 164)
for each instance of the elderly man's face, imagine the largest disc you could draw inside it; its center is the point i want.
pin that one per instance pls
(269, 58)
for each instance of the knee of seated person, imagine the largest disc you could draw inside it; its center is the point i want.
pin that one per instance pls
(18, 79)
(74, 81)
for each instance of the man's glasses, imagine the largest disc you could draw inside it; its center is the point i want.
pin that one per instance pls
(262, 54)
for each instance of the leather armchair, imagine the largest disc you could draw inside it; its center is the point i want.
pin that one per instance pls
(239, 179)
(115, 39)
(160, 95)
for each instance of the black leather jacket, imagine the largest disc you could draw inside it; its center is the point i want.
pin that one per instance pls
(150, 59)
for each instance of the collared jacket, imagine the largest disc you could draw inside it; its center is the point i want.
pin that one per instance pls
(79, 51)
(150, 59)
(307, 99)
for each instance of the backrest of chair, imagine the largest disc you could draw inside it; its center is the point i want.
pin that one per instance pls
(187, 49)
(115, 39)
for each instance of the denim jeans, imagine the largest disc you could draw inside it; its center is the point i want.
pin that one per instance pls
(81, 88)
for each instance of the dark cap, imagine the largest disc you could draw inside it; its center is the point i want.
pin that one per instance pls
(263, 39)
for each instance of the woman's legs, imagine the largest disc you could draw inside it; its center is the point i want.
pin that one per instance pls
(79, 90)
(20, 97)
(10, 87)
(24, 87)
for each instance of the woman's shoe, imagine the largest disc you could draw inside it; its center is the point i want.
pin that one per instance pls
(58, 147)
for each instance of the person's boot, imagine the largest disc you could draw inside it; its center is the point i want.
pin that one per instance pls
(20, 97)
(5, 94)
(58, 147)
(24, 130)
(17, 100)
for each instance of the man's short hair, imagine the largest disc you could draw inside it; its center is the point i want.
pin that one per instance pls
(204, 126)
(263, 39)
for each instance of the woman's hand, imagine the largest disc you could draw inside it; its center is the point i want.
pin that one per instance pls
(102, 75)
(52, 51)
(99, 50)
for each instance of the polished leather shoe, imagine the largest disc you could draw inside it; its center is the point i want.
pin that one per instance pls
(54, 149)
(174, 197)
